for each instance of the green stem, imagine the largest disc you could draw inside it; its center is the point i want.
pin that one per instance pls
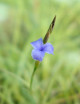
(32, 78)
(35, 67)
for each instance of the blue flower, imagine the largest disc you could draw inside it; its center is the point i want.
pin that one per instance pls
(40, 49)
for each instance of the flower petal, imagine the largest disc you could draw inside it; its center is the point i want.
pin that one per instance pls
(37, 55)
(48, 48)
(37, 44)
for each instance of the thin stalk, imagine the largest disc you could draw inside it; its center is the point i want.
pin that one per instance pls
(32, 78)
(35, 67)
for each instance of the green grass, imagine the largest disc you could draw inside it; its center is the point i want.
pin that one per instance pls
(57, 80)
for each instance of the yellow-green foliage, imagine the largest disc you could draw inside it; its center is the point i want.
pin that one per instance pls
(57, 80)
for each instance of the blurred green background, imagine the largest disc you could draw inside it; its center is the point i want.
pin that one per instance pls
(57, 80)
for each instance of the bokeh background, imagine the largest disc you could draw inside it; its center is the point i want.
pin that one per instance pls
(57, 80)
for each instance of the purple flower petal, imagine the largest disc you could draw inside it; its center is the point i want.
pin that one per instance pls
(37, 44)
(48, 48)
(37, 55)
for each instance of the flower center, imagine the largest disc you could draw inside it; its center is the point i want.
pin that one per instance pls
(41, 49)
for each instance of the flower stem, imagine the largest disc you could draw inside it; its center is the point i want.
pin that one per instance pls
(35, 67)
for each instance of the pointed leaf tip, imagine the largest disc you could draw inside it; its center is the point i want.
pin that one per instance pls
(53, 22)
